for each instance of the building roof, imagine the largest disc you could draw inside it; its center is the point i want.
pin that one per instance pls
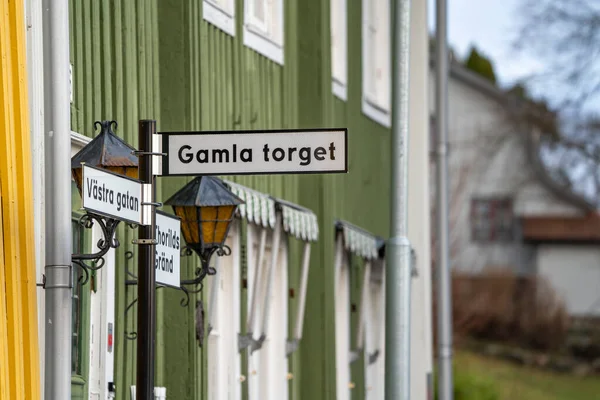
(584, 229)
(484, 86)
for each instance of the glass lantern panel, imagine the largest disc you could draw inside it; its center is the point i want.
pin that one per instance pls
(78, 177)
(189, 223)
(208, 216)
(224, 216)
(131, 172)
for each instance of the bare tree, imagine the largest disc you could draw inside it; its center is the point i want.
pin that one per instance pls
(565, 34)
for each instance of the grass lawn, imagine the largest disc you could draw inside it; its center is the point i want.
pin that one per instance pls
(519, 383)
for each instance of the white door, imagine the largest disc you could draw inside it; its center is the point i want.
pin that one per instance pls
(102, 322)
(342, 322)
(224, 363)
(268, 366)
(374, 340)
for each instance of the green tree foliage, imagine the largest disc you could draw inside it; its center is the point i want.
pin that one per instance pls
(519, 90)
(481, 65)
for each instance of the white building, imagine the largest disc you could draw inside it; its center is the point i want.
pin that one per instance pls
(505, 210)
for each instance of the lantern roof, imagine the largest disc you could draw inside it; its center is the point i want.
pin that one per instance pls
(204, 191)
(106, 150)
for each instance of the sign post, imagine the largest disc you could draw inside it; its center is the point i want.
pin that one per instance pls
(146, 321)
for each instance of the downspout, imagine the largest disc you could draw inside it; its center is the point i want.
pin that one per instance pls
(444, 292)
(398, 273)
(58, 274)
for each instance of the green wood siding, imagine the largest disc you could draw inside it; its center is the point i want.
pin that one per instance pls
(158, 59)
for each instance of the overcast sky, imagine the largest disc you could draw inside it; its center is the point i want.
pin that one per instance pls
(490, 26)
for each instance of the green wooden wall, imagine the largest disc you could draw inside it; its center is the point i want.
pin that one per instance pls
(158, 59)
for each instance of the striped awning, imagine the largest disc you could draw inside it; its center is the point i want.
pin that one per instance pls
(359, 241)
(260, 208)
(299, 221)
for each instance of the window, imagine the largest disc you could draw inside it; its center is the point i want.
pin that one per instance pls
(339, 47)
(263, 28)
(76, 298)
(492, 220)
(376, 60)
(220, 13)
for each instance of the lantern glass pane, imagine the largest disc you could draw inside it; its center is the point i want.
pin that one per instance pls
(224, 216)
(189, 223)
(131, 172)
(208, 215)
(78, 177)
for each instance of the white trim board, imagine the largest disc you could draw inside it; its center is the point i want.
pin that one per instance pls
(219, 17)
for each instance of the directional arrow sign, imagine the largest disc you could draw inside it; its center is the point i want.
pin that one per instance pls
(168, 258)
(255, 152)
(111, 195)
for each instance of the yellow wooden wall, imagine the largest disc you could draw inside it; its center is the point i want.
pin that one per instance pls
(19, 359)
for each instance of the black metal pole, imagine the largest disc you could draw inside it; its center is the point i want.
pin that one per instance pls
(146, 321)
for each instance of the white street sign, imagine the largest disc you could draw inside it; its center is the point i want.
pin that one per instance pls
(255, 152)
(111, 195)
(168, 257)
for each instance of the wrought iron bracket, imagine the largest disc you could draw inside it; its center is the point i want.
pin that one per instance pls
(247, 341)
(95, 261)
(187, 286)
(144, 241)
(414, 271)
(373, 356)
(195, 285)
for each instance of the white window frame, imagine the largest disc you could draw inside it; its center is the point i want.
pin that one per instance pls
(224, 362)
(214, 13)
(268, 365)
(339, 48)
(380, 114)
(267, 37)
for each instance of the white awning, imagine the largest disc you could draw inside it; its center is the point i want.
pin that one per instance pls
(299, 221)
(259, 209)
(359, 241)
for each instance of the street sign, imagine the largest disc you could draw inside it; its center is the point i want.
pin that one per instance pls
(111, 195)
(168, 256)
(255, 152)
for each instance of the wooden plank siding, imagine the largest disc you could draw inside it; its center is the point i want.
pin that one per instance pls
(158, 59)
(19, 353)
